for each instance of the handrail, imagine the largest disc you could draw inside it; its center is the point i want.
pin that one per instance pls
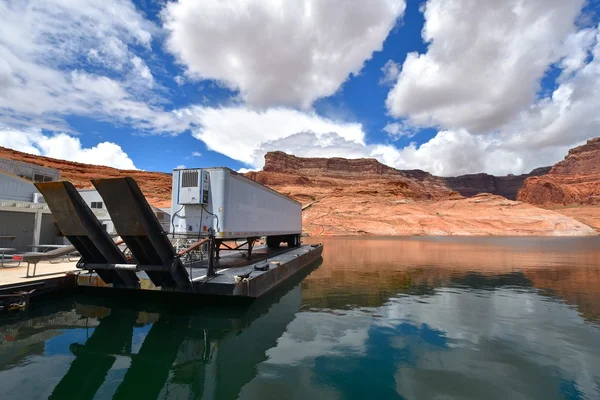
(193, 247)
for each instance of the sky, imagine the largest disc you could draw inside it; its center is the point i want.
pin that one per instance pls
(447, 86)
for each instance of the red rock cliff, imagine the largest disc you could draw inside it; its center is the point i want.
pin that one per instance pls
(505, 186)
(278, 161)
(582, 160)
(312, 177)
(368, 169)
(573, 181)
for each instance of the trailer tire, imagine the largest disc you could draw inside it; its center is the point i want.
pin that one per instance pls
(292, 240)
(273, 242)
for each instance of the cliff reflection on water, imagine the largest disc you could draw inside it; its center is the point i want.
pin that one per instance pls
(367, 272)
(414, 318)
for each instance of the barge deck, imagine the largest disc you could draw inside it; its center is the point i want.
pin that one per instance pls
(235, 275)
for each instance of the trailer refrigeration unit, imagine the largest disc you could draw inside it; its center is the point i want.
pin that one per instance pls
(220, 203)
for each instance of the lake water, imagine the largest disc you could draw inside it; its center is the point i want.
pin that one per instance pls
(380, 318)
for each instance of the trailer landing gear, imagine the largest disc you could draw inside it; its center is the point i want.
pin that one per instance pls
(221, 245)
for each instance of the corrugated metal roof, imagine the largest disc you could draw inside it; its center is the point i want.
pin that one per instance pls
(53, 171)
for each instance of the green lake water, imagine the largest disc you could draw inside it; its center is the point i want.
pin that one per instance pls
(378, 318)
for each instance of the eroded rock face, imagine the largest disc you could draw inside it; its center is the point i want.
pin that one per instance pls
(314, 177)
(481, 215)
(505, 186)
(278, 161)
(582, 160)
(367, 169)
(573, 181)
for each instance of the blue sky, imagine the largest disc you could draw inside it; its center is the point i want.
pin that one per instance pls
(448, 86)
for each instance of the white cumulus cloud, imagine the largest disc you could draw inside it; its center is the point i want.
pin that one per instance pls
(539, 135)
(142, 70)
(247, 135)
(570, 114)
(43, 44)
(179, 80)
(245, 170)
(484, 61)
(278, 52)
(458, 152)
(396, 130)
(390, 70)
(480, 81)
(542, 134)
(238, 132)
(65, 147)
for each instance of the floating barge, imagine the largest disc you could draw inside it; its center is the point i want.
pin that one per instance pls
(146, 258)
(235, 275)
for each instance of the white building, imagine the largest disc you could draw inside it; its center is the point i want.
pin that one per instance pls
(24, 219)
(95, 202)
(164, 217)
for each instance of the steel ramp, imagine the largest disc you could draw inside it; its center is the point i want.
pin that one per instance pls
(137, 225)
(79, 224)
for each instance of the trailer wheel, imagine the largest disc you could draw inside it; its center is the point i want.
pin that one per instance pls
(273, 242)
(290, 240)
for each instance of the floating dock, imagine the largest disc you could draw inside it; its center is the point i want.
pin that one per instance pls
(17, 288)
(235, 275)
(49, 275)
(150, 261)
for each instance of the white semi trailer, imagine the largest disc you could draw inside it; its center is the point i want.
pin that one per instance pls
(228, 205)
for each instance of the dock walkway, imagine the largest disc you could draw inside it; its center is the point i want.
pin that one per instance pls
(48, 273)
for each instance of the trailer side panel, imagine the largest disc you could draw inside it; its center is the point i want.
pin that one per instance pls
(254, 210)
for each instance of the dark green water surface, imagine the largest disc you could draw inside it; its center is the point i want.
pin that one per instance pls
(378, 318)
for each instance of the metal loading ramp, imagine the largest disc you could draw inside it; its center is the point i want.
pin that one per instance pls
(137, 225)
(79, 224)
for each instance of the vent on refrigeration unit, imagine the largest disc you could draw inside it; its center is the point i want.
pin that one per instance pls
(189, 179)
(193, 187)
